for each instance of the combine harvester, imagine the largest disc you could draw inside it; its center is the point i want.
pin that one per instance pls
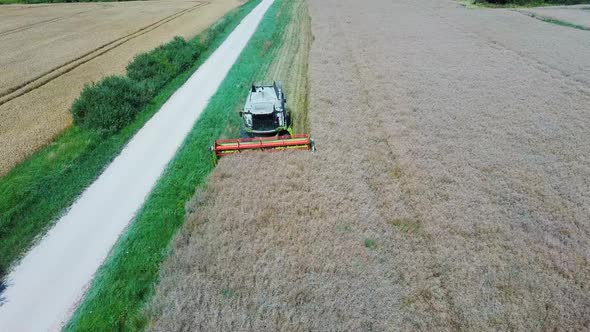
(266, 126)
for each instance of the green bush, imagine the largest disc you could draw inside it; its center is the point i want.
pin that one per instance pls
(218, 27)
(156, 68)
(110, 104)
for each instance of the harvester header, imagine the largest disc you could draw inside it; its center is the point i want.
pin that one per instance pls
(224, 147)
(266, 125)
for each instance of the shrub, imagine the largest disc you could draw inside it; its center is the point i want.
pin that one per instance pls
(114, 102)
(110, 104)
(217, 28)
(156, 68)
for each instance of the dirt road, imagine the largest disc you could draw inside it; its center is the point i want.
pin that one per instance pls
(50, 51)
(450, 189)
(50, 280)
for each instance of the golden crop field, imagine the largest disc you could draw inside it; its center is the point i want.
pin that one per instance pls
(50, 51)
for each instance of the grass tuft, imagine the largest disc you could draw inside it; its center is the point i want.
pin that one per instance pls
(406, 225)
(228, 293)
(370, 243)
(396, 172)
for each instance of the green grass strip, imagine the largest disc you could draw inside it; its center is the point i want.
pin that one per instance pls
(36, 192)
(127, 279)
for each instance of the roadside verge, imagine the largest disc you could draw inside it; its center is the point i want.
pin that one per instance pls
(39, 190)
(73, 250)
(126, 281)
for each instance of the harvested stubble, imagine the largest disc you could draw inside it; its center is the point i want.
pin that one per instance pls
(449, 190)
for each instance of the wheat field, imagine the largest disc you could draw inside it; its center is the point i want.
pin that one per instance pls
(50, 51)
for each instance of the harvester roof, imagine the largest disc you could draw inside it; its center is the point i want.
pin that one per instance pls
(262, 108)
(262, 100)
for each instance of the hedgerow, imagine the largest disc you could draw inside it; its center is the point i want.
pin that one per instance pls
(156, 68)
(110, 104)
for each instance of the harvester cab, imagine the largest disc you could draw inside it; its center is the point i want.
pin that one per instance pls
(266, 125)
(264, 113)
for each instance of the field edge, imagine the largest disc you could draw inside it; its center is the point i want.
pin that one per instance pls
(35, 193)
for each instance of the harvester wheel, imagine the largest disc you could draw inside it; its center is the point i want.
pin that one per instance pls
(288, 119)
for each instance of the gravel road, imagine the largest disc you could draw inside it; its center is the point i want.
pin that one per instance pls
(450, 189)
(44, 288)
(67, 45)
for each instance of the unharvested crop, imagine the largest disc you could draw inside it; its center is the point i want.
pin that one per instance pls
(50, 52)
(290, 65)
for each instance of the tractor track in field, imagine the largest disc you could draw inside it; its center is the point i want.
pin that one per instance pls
(28, 26)
(556, 73)
(50, 75)
(32, 25)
